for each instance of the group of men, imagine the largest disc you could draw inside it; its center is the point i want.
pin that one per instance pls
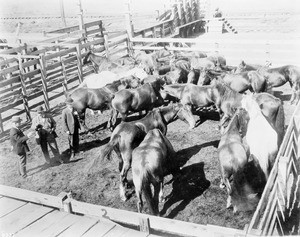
(43, 128)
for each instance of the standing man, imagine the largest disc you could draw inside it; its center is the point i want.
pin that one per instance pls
(45, 126)
(19, 145)
(71, 126)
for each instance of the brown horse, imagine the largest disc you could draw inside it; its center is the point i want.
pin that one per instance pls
(151, 161)
(245, 67)
(145, 97)
(232, 154)
(127, 135)
(193, 76)
(97, 99)
(279, 76)
(240, 82)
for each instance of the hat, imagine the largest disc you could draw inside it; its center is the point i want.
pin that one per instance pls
(16, 119)
(40, 109)
(69, 101)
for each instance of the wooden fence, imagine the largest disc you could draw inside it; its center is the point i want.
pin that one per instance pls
(58, 61)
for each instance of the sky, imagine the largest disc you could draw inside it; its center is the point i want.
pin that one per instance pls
(107, 7)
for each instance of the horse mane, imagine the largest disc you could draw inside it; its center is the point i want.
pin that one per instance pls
(226, 92)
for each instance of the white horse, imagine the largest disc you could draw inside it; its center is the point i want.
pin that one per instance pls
(103, 78)
(261, 137)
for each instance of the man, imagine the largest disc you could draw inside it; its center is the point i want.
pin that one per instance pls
(19, 145)
(45, 126)
(217, 13)
(71, 126)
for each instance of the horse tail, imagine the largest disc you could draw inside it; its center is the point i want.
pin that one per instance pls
(109, 147)
(146, 178)
(279, 123)
(85, 60)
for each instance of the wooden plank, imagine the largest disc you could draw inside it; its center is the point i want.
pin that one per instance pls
(30, 63)
(117, 34)
(10, 106)
(13, 50)
(16, 92)
(7, 205)
(64, 36)
(92, 32)
(134, 233)
(22, 217)
(100, 229)
(10, 88)
(42, 224)
(31, 196)
(94, 23)
(95, 42)
(8, 61)
(9, 70)
(10, 81)
(60, 53)
(80, 227)
(132, 218)
(50, 225)
(117, 42)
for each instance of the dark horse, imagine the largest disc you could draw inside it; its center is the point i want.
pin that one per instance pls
(233, 155)
(127, 135)
(151, 161)
(240, 82)
(96, 99)
(99, 63)
(145, 97)
(280, 75)
(227, 100)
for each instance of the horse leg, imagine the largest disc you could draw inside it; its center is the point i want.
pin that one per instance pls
(123, 176)
(113, 119)
(156, 197)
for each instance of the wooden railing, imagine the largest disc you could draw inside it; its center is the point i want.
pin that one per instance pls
(150, 224)
(51, 66)
(281, 196)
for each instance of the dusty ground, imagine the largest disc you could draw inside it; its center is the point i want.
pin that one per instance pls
(195, 197)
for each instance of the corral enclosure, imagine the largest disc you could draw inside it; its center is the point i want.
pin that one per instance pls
(59, 61)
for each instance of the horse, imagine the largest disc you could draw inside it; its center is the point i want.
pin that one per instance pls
(240, 82)
(280, 75)
(261, 136)
(145, 97)
(232, 153)
(99, 63)
(95, 81)
(193, 76)
(245, 67)
(94, 99)
(127, 135)
(151, 161)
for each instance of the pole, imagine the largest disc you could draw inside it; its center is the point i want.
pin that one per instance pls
(81, 23)
(128, 19)
(62, 12)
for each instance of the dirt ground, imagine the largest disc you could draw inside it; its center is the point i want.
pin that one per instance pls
(194, 197)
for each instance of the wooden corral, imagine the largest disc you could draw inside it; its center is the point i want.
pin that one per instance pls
(53, 64)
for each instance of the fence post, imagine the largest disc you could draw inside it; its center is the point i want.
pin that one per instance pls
(128, 19)
(64, 71)
(23, 89)
(79, 63)
(42, 62)
(105, 37)
(1, 124)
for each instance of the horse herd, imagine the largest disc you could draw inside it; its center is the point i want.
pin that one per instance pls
(169, 86)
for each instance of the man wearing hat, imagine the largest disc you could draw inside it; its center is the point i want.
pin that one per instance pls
(45, 126)
(19, 145)
(71, 126)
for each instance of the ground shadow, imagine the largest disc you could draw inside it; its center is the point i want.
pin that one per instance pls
(182, 156)
(206, 114)
(188, 185)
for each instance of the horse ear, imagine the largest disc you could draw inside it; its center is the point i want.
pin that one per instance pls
(243, 63)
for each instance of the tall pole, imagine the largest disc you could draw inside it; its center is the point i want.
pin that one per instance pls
(62, 12)
(80, 14)
(128, 19)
